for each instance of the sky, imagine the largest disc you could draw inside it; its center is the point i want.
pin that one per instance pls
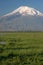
(7, 6)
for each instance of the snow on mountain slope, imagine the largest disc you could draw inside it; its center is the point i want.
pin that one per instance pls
(25, 10)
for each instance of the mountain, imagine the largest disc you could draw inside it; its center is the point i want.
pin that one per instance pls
(23, 18)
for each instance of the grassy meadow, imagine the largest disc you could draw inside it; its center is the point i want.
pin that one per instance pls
(21, 48)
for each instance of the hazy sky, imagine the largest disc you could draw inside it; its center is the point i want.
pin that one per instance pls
(7, 6)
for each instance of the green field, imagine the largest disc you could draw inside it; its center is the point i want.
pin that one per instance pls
(21, 48)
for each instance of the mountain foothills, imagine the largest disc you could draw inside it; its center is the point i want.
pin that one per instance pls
(23, 18)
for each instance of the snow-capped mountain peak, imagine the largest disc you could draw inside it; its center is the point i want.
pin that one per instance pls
(23, 18)
(24, 11)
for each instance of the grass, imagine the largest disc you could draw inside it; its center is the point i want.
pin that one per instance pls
(21, 48)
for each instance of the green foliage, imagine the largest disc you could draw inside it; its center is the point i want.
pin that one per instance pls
(21, 48)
